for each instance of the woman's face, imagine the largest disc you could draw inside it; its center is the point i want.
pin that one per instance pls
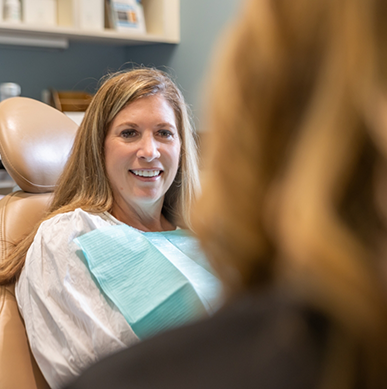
(142, 150)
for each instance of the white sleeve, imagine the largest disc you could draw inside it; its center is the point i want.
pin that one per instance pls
(70, 324)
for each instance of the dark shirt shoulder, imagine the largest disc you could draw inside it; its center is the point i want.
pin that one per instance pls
(257, 341)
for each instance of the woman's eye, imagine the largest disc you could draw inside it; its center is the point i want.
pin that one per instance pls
(128, 133)
(166, 133)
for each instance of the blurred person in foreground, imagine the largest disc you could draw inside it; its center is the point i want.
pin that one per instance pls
(293, 210)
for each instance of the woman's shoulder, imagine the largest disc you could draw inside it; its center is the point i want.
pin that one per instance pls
(55, 236)
(77, 219)
(54, 253)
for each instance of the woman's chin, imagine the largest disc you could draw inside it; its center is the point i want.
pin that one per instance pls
(146, 199)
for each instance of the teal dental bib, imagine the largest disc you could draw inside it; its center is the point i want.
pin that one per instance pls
(158, 280)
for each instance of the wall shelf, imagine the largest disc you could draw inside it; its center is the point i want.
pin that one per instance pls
(162, 18)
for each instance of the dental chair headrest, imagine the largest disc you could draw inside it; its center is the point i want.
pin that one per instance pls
(35, 142)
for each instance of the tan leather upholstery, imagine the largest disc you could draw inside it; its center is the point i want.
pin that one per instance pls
(35, 141)
(35, 145)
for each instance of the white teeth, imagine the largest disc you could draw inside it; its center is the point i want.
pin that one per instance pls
(146, 173)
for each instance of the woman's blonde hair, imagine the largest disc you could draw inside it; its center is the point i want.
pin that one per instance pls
(292, 168)
(84, 183)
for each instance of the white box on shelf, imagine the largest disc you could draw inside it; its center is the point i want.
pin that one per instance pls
(128, 15)
(82, 14)
(42, 12)
(66, 11)
(91, 14)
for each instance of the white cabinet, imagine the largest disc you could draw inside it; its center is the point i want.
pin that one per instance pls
(162, 19)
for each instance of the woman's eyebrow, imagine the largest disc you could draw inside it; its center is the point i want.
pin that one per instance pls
(135, 125)
(166, 124)
(127, 123)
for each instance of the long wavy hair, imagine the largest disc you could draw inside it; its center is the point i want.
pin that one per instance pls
(295, 184)
(84, 183)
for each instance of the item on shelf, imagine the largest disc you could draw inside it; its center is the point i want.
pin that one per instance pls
(91, 14)
(82, 14)
(66, 13)
(127, 15)
(9, 89)
(70, 101)
(42, 12)
(12, 11)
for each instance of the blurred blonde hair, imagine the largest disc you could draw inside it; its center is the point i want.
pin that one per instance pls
(289, 193)
(84, 183)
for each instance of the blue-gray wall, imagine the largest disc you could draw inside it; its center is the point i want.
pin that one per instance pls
(81, 66)
(201, 23)
(76, 68)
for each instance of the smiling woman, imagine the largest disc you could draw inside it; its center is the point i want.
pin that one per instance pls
(112, 262)
(142, 150)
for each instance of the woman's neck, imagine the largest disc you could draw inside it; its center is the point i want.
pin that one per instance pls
(148, 220)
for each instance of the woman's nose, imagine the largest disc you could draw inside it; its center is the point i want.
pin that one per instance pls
(148, 149)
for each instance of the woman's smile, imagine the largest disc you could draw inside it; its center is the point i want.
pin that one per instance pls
(147, 174)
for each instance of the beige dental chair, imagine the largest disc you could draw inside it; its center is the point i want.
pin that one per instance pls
(35, 140)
